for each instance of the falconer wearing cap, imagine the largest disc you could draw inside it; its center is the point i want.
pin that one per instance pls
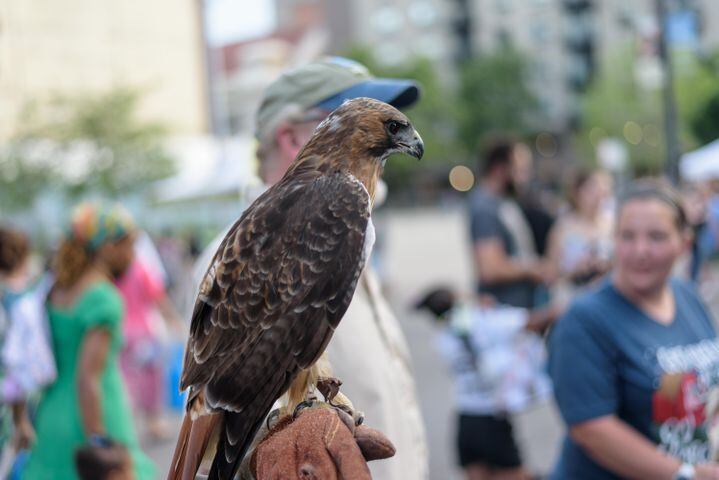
(368, 351)
(301, 98)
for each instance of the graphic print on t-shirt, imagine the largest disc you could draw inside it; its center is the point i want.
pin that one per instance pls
(682, 423)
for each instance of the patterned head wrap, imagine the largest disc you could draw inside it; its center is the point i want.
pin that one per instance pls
(94, 225)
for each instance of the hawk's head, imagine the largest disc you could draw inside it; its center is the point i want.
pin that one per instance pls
(358, 137)
(368, 127)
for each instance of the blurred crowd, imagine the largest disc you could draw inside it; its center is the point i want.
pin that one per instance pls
(91, 339)
(587, 292)
(583, 292)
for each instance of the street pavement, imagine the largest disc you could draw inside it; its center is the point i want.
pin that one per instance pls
(419, 249)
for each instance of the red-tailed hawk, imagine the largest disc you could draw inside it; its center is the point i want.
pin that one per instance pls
(281, 281)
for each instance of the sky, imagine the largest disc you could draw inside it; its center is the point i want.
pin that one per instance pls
(234, 20)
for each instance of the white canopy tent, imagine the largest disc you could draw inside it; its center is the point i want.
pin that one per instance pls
(701, 164)
(215, 181)
(209, 167)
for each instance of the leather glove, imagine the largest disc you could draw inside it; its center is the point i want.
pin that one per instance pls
(320, 442)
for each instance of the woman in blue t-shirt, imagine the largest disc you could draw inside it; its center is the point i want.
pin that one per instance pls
(634, 360)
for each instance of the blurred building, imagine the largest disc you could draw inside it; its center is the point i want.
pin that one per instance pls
(242, 70)
(306, 29)
(83, 46)
(533, 27)
(395, 31)
(569, 40)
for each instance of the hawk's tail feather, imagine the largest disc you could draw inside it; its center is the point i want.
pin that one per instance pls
(178, 458)
(229, 457)
(193, 444)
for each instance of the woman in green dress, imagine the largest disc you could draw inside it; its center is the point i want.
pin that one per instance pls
(87, 405)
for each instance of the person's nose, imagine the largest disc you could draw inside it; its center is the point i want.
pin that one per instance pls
(642, 247)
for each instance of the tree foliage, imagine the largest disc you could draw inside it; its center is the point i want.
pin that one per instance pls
(489, 93)
(705, 123)
(698, 97)
(616, 98)
(434, 116)
(81, 144)
(495, 95)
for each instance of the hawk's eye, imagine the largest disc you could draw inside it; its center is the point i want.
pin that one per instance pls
(393, 127)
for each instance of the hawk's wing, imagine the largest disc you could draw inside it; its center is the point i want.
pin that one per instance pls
(279, 284)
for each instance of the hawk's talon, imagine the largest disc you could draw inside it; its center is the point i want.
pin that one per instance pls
(301, 406)
(272, 418)
(342, 407)
(329, 387)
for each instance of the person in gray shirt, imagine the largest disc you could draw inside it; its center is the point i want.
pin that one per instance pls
(505, 261)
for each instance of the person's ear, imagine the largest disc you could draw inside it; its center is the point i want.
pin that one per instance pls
(287, 140)
(288, 144)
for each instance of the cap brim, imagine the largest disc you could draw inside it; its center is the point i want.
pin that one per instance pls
(398, 93)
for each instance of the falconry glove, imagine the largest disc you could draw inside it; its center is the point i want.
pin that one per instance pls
(318, 442)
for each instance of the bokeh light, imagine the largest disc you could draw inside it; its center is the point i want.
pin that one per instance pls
(461, 178)
(633, 132)
(546, 144)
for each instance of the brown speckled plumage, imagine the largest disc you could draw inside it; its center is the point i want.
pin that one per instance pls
(283, 277)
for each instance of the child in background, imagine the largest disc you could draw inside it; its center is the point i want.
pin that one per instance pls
(497, 360)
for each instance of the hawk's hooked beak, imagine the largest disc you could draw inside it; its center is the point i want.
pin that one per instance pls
(413, 146)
